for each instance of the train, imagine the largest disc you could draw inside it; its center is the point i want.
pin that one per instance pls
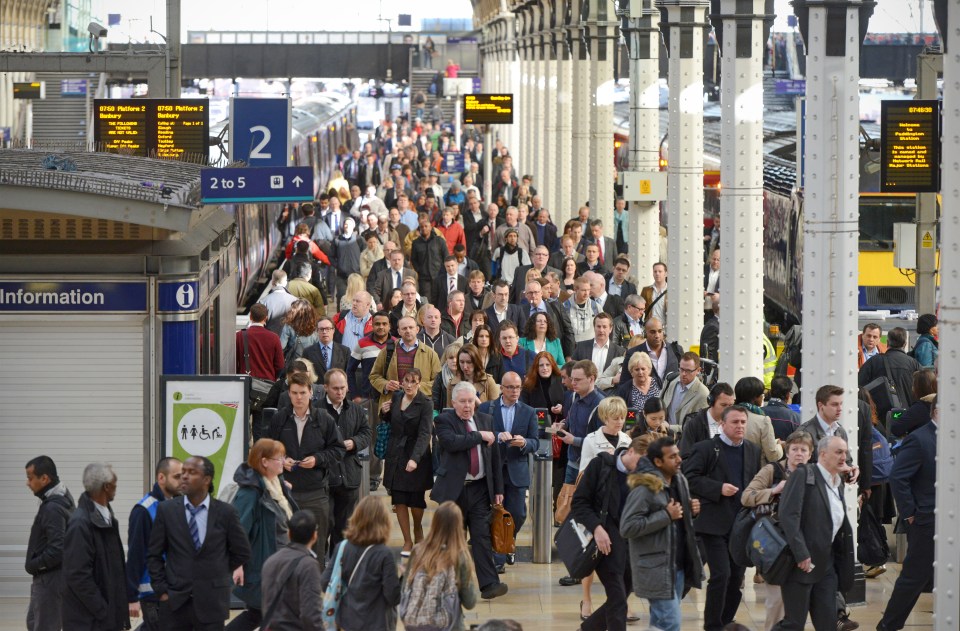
(881, 285)
(321, 124)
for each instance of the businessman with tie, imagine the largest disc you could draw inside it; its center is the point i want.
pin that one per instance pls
(197, 552)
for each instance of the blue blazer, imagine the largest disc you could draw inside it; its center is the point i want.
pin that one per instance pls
(914, 474)
(514, 459)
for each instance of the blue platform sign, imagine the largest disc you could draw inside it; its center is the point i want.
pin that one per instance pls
(178, 296)
(256, 184)
(796, 87)
(260, 131)
(73, 87)
(41, 296)
(453, 162)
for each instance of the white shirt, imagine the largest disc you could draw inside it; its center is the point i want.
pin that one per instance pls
(301, 423)
(472, 427)
(201, 516)
(659, 310)
(833, 495)
(828, 430)
(712, 424)
(660, 363)
(451, 284)
(104, 512)
(501, 315)
(600, 354)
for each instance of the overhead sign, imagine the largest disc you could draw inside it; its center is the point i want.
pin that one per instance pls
(39, 296)
(206, 416)
(256, 184)
(488, 109)
(156, 128)
(177, 296)
(260, 131)
(30, 90)
(910, 146)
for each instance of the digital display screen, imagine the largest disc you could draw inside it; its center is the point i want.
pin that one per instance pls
(543, 417)
(156, 128)
(910, 146)
(488, 109)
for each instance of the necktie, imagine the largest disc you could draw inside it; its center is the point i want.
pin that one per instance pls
(600, 247)
(453, 284)
(336, 224)
(474, 456)
(194, 529)
(397, 274)
(325, 357)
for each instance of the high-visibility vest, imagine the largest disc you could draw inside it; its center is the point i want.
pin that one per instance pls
(769, 361)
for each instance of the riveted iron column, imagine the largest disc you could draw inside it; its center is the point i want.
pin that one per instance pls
(682, 23)
(547, 182)
(562, 207)
(581, 115)
(535, 158)
(599, 31)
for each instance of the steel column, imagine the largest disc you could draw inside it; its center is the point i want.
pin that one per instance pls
(547, 182)
(534, 162)
(946, 577)
(928, 67)
(685, 22)
(562, 206)
(742, 35)
(599, 29)
(581, 123)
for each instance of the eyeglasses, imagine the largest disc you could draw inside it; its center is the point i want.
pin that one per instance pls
(688, 371)
(324, 328)
(503, 387)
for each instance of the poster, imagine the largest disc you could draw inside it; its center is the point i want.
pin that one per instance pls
(206, 416)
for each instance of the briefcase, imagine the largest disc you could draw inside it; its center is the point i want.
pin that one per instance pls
(577, 548)
(501, 530)
(259, 389)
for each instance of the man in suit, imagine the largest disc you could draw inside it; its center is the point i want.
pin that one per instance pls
(352, 168)
(380, 265)
(544, 231)
(605, 301)
(617, 283)
(913, 482)
(197, 552)
(539, 262)
(814, 519)
(568, 249)
(718, 470)
(515, 425)
(392, 277)
(502, 309)
(710, 335)
(705, 424)
(686, 394)
(606, 245)
(470, 473)
(601, 350)
(554, 311)
(665, 356)
(450, 282)
(314, 452)
(326, 353)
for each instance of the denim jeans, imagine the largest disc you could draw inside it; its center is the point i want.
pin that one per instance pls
(570, 475)
(665, 612)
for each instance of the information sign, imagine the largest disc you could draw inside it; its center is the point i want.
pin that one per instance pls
(910, 146)
(156, 128)
(73, 87)
(260, 131)
(256, 184)
(488, 109)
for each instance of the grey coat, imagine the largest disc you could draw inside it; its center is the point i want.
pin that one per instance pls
(369, 602)
(299, 607)
(647, 527)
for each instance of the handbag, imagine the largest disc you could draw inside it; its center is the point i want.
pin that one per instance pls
(577, 547)
(564, 500)
(383, 439)
(336, 588)
(501, 530)
(557, 444)
(259, 388)
(769, 551)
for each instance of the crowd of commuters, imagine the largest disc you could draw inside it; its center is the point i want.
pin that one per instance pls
(428, 328)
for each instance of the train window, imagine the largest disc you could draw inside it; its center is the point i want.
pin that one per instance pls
(878, 213)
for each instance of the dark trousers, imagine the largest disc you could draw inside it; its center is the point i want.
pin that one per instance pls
(43, 612)
(185, 619)
(916, 575)
(343, 501)
(818, 599)
(373, 414)
(318, 502)
(723, 588)
(515, 501)
(248, 620)
(150, 614)
(474, 502)
(614, 573)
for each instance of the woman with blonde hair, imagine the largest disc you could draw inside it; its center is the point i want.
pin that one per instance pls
(445, 550)
(355, 283)
(368, 571)
(643, 386)
(470, 369)
(264, 505)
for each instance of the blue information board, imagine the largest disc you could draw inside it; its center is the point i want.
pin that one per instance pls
(178, 296)
(39, 296)
(260, 131)
(453, 162)
(256, 184)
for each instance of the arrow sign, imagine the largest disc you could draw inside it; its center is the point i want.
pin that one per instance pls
(256, 184)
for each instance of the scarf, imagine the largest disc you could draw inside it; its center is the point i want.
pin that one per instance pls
(276, 492)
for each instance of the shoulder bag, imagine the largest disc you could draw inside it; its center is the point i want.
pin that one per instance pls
(883, 389)
(577, 547)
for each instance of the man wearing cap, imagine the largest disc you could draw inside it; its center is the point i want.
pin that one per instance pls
(510, 256)
(454, 195)
(524, 237)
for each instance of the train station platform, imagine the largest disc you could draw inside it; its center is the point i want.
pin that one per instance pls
(537, 601)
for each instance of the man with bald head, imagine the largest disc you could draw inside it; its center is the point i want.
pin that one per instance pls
(665, 356)
(432, 333)
(393, 363)
(515, 424)
(539, 260)
(354, 323)
(598, 291)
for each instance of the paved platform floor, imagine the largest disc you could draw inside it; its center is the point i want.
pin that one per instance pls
(538, 602)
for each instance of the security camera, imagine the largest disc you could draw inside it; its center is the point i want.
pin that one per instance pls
(97, 30)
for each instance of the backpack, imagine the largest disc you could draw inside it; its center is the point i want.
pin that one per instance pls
(228, 493)
(882, 458)
(430, 603)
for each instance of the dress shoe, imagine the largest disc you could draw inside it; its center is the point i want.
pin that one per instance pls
(566, 581)
(501, 569)
(875, 571)
(511, 558)
(494, 591)
(582, 616)
(844, 623)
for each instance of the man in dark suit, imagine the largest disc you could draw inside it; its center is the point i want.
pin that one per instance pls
(605, 301)
(617, 283)
(539, 260)
(718, 470)
(913, 482)
(814, 519)
(502, 309)
(710, 335)
(352, 168)
(470, 473)
(515, 425)
(665, 356)
(607, 246)
(601, 350)
(450, 282)
(195, 546)
(388, 279)
(544, 231)
(704, 424)
(326, 353)
(568, 249)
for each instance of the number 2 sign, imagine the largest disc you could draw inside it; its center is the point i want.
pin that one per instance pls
(260, 131)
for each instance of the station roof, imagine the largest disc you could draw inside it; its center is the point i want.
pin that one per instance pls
(143, 191)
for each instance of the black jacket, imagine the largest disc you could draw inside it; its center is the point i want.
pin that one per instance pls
(694, 429)
(45, 548)
(191, 578)
(902, 367)
(94, 584)
(426, 256)
(340, 355)
(710, 339)
(454, 458)
(673, 350)
(353, 425)
(706, 472)
(321, 439)
(915, 417)
(598, 487)
(139, 527)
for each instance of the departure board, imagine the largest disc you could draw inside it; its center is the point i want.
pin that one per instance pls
(488, 109)
(910, 146)
(157, 128)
